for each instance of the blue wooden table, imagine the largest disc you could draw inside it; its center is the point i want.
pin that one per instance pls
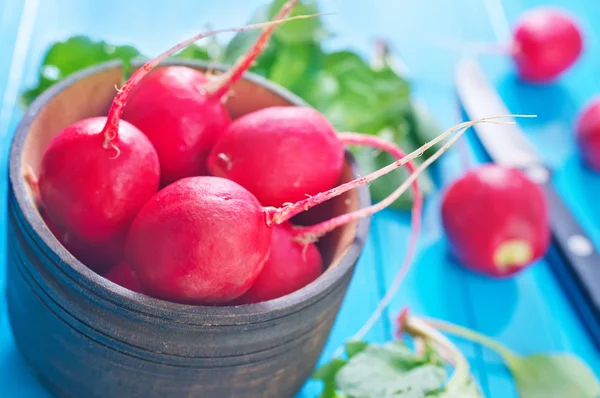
(529, 313)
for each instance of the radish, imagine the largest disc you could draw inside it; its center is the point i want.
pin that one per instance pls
(95, 175)
(199, 240)
(255, 152)
(97, 258)
(546, 42)
(183, 112)
(205, 240)
(588, 134)
(291, 265)
(122, 274)
(496, 220)
(98, 172)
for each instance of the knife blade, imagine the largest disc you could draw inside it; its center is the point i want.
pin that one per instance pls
(573, 257)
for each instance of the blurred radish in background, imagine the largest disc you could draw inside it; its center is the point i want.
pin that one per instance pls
(496, 220)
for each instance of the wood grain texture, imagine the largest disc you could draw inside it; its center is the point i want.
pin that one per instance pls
(101, 340)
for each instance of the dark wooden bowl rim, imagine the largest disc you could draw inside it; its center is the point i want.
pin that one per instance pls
(100, 287)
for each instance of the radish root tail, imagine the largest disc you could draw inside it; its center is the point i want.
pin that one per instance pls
(313, 232)
(279, 215)
(32, 180)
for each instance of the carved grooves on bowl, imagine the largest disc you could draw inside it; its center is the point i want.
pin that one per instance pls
(110, 327)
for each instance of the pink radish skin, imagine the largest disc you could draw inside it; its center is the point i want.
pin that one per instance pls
(205, 240)
(94, 191)
(122, 274)
(280, 154)
(97, 258)
(97, 173)
(546, 42)
(587, 133)
(496, 220)
(200, 240)
(171, 107)
(290, 267)
(183, 113)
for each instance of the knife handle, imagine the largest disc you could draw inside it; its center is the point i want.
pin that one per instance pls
(573, 257)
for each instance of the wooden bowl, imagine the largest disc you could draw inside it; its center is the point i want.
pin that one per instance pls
(84, 336)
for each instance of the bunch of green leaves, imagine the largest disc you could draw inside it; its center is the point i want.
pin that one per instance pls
(342, 85)
(390, 370)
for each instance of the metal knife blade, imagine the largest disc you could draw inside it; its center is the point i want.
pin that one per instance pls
(506, 144)
(573, 257)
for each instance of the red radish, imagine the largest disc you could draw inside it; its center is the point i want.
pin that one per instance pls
(588, 133)
(183, 112)
(97, 258)
(290, 266)
(546, 42)
(97, 173)
(95, 176)
(205, 239)
(255, 152)
(199, 240)
(496, 220)
(122, 274)
(173, 109)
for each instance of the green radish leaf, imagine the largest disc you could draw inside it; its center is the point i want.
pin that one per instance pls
(79, 52)
(194, 52)
(292, 63)
(355, 347)
(356, 75)
(423, 127)
(301, 31)
(242, 41)
(319, 89)
(326, 374)
(553, 376)
(468, 390)
(391, 370)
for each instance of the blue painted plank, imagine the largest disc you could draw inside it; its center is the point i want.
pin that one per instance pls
(361, 299)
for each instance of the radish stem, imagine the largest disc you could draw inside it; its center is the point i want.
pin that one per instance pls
(313, 232)
(508, 355)
(111, 127)
(224, 84)
(407, 260)
(417, 327)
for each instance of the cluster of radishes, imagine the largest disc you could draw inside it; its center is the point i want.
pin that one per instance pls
(179, 202)
(495, 217)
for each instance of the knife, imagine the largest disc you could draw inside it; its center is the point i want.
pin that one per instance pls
(572, 256)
